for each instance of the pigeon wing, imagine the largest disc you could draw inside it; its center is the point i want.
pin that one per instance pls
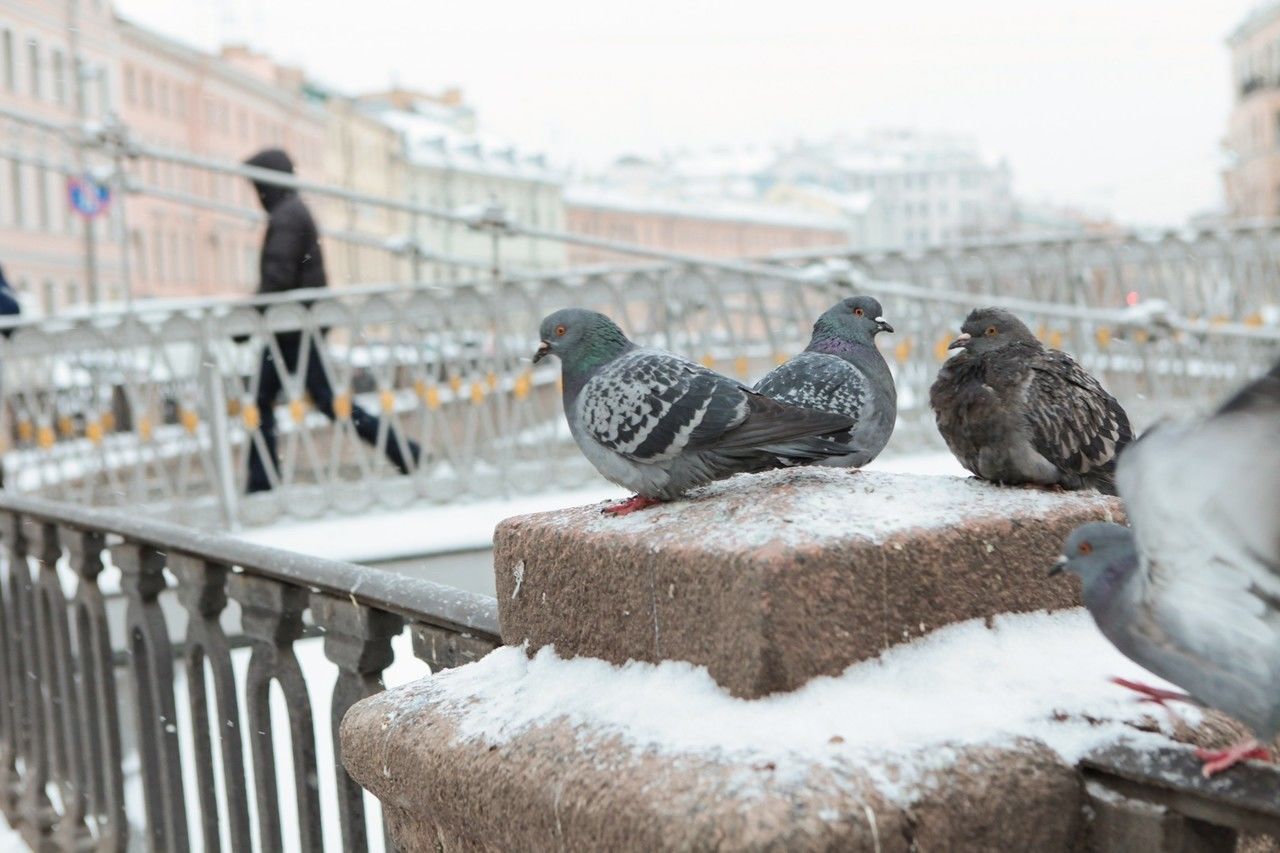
(817, 381)
(1075, 423)
(1204, 502)
(649, 406)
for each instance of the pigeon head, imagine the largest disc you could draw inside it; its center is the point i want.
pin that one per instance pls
(991, 329)
(858, 318)
(1100, 553)
(581, 339)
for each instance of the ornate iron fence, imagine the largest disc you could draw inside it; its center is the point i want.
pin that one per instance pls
(137, 663)
(162, 410)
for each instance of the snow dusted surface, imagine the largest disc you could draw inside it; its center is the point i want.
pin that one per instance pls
(1042, 676)
(815, 506)
(428, 529)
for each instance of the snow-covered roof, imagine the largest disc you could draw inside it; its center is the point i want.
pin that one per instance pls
(433, 138)
(725, 209)
(1040, 676)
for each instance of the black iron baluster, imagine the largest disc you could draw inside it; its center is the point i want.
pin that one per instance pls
(36, 810)
(151, 663)
(60, 676)
(271, 614)
(12, 678)
(358, 639)
(99, 715)
(445, 649)
(202, 590)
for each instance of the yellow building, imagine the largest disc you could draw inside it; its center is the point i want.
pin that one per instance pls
(1252, 176)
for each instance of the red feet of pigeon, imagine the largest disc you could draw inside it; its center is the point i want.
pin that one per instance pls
(1217, 760)
(1152, 694)
(630, 505)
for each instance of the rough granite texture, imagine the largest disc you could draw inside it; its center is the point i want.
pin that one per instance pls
(769, 580)
(552, 789)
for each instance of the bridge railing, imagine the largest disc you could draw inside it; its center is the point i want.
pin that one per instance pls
(168, 689)
(162, 410)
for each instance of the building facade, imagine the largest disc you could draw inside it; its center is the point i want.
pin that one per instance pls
(1252, 175)
(57, 64)
(707, 229)
(193, 232)
(450, 164)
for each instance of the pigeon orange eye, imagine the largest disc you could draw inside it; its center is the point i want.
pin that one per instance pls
(560, 330)
(1085, 548)
(991, 330)
(857, 312)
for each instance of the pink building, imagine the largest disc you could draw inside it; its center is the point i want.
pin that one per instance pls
(42, 242)
(710, 230)
(223, 108)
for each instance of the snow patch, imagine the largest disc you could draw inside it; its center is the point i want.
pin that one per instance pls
(899, 717)
(819, 506)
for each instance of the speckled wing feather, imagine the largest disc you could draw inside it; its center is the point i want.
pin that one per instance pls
(1075, 423)
(650, 406)
(818, 381)
(1204, 502)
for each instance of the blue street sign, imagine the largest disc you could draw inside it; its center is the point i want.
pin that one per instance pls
(88, 197)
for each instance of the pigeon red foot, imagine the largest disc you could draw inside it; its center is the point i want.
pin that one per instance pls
(630, 505)
(1155, 695)
(1217, 760)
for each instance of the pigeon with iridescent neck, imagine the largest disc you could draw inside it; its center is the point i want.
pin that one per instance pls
(842, 371)
(659, 425)
(1192, 591)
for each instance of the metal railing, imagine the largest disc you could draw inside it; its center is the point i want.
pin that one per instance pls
(163, 410)
(165, 735)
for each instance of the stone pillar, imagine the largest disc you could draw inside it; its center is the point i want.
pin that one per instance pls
(767, 581)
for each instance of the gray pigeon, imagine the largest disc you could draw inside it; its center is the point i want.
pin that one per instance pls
(1014, 412)
(1192, 591)
(841, 371)
(659, 425)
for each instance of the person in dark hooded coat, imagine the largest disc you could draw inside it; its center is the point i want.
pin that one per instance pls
(291, 260)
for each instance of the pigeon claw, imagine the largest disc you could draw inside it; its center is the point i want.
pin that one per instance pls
(1151, 694)
(1217, 760)
(630, 505)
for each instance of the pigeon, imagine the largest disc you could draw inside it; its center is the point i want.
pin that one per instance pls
(841, 371)
(1192, 591)
(1017, 413)
(659, 425)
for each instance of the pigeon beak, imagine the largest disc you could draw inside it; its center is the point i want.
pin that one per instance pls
(544, 350)
(1058, 566)
(960, 342)
(883, 324)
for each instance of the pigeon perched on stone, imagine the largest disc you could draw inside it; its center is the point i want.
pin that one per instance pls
(1192, 591)
(1015, 412)
(841, 371)
(660, 425)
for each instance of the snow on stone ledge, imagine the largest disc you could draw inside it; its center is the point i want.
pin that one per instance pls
(817, 506)
(1039, 676)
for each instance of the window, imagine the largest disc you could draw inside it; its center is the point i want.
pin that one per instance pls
(15, 191)
(33, 62)
(59, 79)
(163, 97)
(73, 293)
(6, 56)
(42, 198)
(180, 102)
(50, 297)
(130, 85)
(139, 255)
(148, 93)
(157, 246)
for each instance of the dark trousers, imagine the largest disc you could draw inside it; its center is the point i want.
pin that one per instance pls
(317, 385)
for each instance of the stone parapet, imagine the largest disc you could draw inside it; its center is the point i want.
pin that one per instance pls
(772, 579)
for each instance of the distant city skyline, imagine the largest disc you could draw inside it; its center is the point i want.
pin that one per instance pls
(1106, 106)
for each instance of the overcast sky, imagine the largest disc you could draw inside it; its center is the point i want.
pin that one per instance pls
(1114, 104)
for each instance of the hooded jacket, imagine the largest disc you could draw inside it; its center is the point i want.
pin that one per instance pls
(291, 256)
